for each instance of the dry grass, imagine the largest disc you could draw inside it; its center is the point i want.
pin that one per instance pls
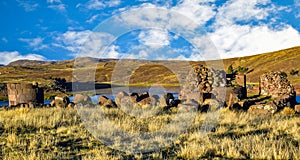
(156, 72)
(54, 133)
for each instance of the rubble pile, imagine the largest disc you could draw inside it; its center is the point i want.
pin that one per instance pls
(275, 85)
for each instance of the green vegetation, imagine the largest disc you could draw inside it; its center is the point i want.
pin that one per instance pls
(283, 74)
(230, 69)
(242, 69)
(55, 133)
(3, 98)
(293, 72)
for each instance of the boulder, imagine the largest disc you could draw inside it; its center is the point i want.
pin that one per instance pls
(52, 103)
(81, 98)
(285, 101)
(71, 105)
(166, 99)
(61, 100)
(264, 109)
(104, 101)
(188, 106)
(127, 102)
(31, 105)
(119, 97)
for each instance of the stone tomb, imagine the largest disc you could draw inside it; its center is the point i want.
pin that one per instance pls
(24, 93)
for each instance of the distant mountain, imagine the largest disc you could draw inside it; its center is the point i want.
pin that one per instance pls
(26, 63)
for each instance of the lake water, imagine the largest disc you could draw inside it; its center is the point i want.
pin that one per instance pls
(95, 99)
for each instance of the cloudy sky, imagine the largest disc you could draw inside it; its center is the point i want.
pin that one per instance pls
(156, 29)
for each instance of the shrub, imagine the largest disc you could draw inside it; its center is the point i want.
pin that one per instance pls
(283, 74)
(293, 72)
(242, 69)
(230, 69)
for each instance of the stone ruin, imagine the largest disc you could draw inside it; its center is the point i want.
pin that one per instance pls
(280, 91)
(275, 85)
(200, 83)
(24, 94)
(279, 88)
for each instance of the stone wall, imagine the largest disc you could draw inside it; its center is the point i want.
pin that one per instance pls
(200, 83)
(279, 88)
(275, 85)
(24, 93)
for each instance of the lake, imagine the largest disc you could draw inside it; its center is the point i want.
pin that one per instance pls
(95, 99)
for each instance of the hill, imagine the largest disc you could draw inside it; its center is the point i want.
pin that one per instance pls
(151, 73)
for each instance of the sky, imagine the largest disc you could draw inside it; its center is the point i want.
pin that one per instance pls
(143, 29)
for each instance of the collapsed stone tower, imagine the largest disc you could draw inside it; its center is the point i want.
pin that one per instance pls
(24, 93)
(200, 82)
(279, 88)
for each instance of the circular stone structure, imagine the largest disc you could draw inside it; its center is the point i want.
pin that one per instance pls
(24, 93)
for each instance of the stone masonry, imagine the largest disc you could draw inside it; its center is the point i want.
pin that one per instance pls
(24, 93)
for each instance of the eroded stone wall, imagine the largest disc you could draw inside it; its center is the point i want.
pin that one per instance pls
(24, 93)
(275, 85)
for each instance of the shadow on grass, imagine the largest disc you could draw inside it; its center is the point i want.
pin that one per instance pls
(237, 135)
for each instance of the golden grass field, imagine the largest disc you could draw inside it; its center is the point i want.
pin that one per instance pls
(57, 133)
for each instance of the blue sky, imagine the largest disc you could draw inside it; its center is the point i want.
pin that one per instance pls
(61, 29)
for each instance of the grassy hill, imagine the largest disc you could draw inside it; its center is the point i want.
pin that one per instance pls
(152, 73)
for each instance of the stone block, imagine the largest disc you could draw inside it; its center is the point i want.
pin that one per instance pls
(241, 80)
(18, 86)
(297, 108)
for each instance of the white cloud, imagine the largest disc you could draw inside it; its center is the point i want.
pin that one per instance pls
(140, 55)
(59, 7)
(112, 52)
(297, 8)
(84, 43)
(35, 43)
(237, 40)
(198, 11)
(53, 1)
(240, 10)
(7, 57)
(72, 40)
(150, 16)
(98, 5)
(154, 38)
(28, 5)
(93, 18)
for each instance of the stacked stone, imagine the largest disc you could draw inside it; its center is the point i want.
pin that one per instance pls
(280, 89)
(201, 80)
(24, 93)
(275, 85)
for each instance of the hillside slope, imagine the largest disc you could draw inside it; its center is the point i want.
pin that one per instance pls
(44, 72)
